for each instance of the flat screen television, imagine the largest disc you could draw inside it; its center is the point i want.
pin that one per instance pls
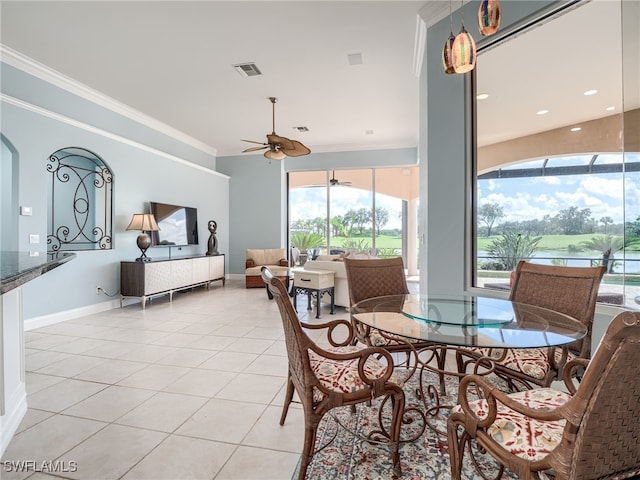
(178, 225)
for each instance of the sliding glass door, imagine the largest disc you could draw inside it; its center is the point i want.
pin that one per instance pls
(372, 211)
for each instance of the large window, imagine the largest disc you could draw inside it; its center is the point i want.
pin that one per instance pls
(556, 180)
(364, 210)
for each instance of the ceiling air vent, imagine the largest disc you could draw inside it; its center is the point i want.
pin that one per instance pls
(301, 129)
(247, 69)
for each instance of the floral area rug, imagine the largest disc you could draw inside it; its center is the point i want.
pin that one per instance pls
(351, 457)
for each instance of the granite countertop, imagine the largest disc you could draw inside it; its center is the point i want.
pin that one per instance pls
(17, 268)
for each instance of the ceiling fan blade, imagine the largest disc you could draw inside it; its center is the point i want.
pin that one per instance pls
(253, 141)
(298, 149)
(282, 142)
(253, 149)
(275, 155)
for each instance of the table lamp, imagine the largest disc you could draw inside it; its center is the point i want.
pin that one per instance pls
(145, 222)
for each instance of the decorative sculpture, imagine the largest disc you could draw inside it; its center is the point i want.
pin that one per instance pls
(212, 243)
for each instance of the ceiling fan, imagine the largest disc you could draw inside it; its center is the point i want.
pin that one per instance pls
(333, 182)
(278, 147)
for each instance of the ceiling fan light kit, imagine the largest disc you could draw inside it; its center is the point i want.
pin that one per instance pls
(278, 148)
(459, 52)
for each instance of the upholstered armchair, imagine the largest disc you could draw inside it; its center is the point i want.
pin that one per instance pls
(256, 258)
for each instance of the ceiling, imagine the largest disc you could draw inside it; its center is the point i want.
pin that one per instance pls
(173, 61)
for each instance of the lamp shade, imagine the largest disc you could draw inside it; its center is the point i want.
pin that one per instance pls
(464, 52)
(144, 222)
(489, 17)
(447, 54)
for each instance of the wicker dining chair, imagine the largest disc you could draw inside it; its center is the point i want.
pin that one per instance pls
(591, 432)
(378, 277)
(340, 375)
(569, 290)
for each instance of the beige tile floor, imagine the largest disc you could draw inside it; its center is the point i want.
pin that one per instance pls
(191, 389)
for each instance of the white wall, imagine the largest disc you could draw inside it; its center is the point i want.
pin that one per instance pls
(143, 170)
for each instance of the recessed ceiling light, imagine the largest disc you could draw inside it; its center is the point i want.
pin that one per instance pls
(482, 96)
(576, 129)
(591, 92)
(542, 112)
(608, 109)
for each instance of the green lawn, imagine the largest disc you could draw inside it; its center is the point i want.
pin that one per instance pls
(548, 242)
(382, 241)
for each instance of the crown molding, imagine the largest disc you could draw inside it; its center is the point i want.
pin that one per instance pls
(43, 72)
(419, 45)
(434, 11)
(98, 131)
(337, 148)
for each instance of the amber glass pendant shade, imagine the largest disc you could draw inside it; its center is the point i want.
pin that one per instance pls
(447, 55)
(489, 17)
(464, 52)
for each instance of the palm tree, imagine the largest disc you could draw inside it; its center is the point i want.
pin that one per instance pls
(607, 245)
(606, 221)
(512, 247)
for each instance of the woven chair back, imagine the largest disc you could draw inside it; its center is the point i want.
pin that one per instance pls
(296, 340)
(569, 290)
(369, 278)
(608, 436)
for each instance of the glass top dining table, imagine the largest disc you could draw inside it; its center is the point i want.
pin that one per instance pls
(468, 320)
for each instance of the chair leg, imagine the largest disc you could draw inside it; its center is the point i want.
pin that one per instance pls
(397, 402)
(310, 431)
(287, 399)
(456, 449)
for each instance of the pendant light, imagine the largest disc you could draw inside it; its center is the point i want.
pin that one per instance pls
(447, 51)
(464, 48)
(489, 17)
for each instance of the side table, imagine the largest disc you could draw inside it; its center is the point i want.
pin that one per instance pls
(286, 278)
(313, 283)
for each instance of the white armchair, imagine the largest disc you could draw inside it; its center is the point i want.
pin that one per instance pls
(256, 258)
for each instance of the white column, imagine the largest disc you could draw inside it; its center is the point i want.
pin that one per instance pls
(412, 237)
(13, 393)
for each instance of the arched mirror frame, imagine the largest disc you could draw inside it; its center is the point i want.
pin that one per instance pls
(80, 215)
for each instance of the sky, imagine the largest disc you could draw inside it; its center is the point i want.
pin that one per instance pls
(311, 202)
(534, 197)
(522, 199)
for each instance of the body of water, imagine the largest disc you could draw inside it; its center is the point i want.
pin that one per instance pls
(624, 263)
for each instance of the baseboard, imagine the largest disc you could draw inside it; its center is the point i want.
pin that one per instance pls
(10, 421)
(45, 320)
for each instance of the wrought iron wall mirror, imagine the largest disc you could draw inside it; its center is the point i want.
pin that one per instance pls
(80, 201)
